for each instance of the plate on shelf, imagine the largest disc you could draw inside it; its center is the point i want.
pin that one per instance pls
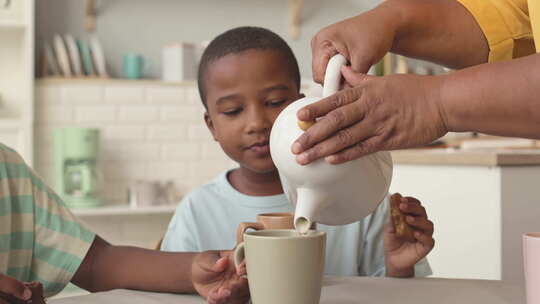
(88, 65)
(62, 55)
(99, 57)
(52, 64)
(74, 55)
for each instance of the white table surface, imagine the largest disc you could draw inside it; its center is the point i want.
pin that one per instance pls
(348, 290)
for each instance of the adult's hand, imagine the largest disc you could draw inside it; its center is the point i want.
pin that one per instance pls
(216, 278)
(441, 31)
(13, 289)
(363, 40)
(377, 113)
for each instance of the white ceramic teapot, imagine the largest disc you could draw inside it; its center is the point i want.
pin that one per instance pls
(322, 192)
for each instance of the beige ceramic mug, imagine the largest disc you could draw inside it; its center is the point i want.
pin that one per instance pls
(283, 266)
(278, 220)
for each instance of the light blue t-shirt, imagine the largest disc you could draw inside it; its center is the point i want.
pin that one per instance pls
(207, 219)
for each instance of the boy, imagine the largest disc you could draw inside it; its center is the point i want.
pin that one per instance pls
(247, 76)
(41, 240)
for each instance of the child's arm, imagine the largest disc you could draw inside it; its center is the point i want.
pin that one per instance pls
(108, 267)
(401, 254)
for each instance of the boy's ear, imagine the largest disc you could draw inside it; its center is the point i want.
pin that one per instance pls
(210, 124)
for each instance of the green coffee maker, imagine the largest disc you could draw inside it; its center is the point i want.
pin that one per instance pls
(75, 161)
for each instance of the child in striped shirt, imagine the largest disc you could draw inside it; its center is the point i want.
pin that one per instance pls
(41, 240)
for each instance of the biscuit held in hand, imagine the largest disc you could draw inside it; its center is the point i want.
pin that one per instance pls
(403, 230)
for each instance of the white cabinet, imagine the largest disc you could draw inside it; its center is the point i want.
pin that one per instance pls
(17, 75)
(480, 202)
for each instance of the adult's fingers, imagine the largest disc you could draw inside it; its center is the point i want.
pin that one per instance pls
(353, 78)
(361, 59)
(339, 140)
(369, 145)
(334, 117)
(328, 104)
(321, 52)
(11, 286)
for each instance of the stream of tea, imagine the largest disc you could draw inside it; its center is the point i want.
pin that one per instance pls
(302, 225)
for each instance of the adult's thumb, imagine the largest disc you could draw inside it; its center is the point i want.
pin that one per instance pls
(353, 78)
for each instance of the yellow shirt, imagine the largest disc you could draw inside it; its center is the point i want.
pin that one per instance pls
(510, 26)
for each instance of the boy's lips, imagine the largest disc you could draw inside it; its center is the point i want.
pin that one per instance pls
(260, 148)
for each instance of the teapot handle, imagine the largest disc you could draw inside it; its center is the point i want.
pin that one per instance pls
(332, 77)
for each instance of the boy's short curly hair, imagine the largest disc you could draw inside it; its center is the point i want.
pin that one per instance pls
(241, 39)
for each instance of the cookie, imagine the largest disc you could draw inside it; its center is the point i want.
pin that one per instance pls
(403, 230)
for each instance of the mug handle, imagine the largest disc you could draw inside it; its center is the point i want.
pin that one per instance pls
(239, 254)
(245, 226)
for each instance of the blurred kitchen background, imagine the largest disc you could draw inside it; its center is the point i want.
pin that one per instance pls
(99, 96)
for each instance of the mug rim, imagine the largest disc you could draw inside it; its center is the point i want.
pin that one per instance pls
(532, 235)
(263, 234)
(276, 214)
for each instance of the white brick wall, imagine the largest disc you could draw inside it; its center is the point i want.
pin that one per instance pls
(149, 130)
(145, 130)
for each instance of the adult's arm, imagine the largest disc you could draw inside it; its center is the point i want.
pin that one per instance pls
(442, 31)
(403, 111)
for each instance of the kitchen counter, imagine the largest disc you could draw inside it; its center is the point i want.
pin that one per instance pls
(476, 157)
(345, 290)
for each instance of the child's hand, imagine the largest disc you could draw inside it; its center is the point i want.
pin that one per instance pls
(401, 255)
(215, 277)
(12, 290)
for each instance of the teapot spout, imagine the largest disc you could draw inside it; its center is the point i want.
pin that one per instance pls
(308, 206)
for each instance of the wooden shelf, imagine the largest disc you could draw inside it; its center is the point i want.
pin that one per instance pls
(125, 210)
(114, 81)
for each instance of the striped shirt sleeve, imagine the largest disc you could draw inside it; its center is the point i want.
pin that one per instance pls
(40, 239)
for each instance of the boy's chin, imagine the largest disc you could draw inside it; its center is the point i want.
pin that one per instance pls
(262, 169)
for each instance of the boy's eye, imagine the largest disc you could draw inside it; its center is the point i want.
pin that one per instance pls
(276, 103)
(232, 112)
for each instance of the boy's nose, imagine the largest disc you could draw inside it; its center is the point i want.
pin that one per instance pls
(258, 121)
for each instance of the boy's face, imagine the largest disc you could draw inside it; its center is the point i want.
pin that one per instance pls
(245, 92)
